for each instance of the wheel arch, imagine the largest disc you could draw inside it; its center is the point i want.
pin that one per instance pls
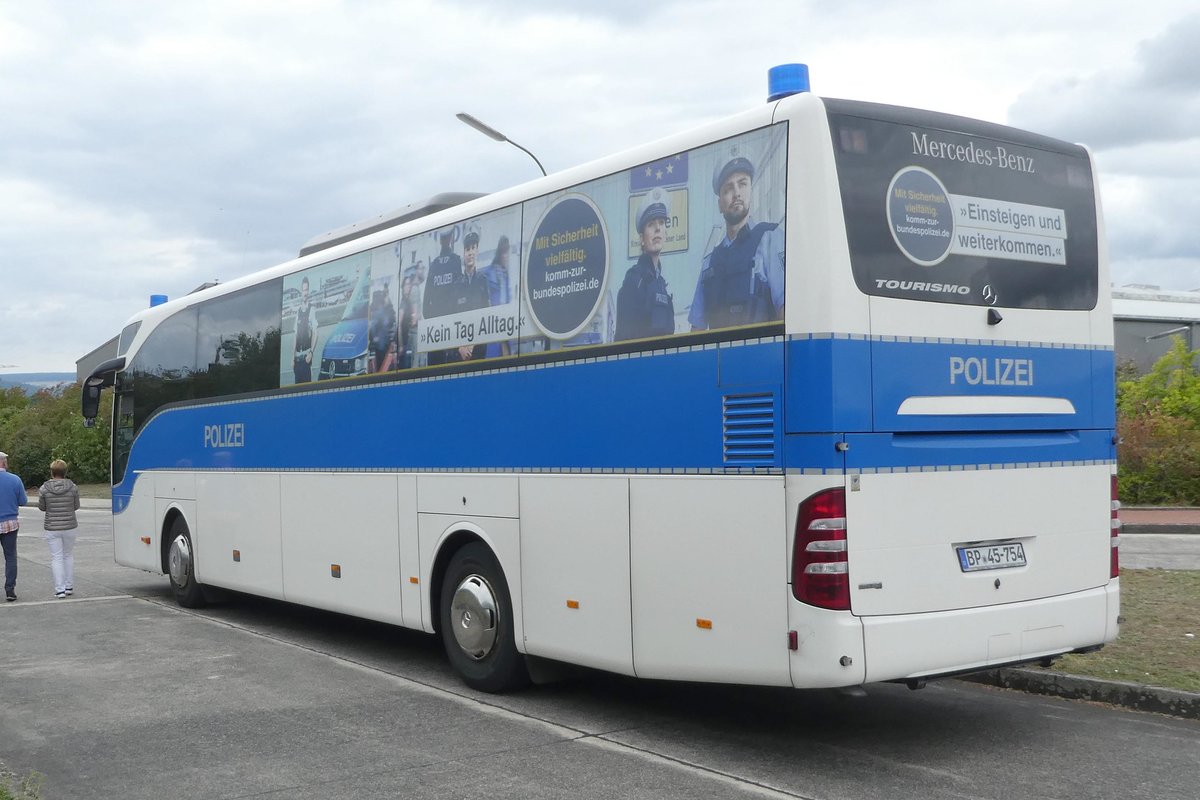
(164, 540)
(451, 542)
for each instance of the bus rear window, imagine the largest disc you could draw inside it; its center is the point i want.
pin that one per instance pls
(948, 210)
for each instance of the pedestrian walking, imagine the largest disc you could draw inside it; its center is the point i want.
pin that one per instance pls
(12, 497)
(59, 498)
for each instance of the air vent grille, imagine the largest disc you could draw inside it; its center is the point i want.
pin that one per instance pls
(749, 429)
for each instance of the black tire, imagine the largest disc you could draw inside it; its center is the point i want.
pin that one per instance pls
(181, 566)
(479, 639)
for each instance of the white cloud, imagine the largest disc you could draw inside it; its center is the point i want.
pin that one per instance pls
(67, 260)
(147, 147)
(1153, 97)
(1141, 115)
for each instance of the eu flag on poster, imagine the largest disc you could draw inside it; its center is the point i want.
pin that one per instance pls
(669, 171)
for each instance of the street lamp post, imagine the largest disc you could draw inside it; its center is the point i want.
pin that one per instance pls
(492, 133)
(1172, 332)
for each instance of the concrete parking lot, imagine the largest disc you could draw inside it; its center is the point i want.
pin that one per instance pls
(117, 692)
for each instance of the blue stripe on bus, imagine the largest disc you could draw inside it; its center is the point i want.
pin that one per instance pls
(902, 370)
(978, 450)
(849, 384)
(830, 382)
(658, 412)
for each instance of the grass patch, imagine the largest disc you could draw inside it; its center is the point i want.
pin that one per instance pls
(14, 788)
(1159, 607)
(95, 491)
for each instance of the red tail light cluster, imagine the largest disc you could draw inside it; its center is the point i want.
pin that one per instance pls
(1114, 568)
(820, 571)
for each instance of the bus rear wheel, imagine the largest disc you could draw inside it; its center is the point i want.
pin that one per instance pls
(181, 566)
(475, 616)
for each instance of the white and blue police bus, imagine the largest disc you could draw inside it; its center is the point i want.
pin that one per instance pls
(859, 428)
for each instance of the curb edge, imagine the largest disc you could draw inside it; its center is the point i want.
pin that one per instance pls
(1173, 702)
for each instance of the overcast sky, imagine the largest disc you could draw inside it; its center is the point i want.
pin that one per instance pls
(148, 147)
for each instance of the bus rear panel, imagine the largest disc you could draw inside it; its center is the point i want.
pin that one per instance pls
(950, 411)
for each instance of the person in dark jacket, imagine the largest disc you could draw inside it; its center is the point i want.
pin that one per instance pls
(305, 339)
(645, 307)
(741, 278)
(444, 273)
(12, 497)
(59, 498)
(470, 293)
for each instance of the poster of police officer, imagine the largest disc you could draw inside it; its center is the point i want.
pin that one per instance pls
(339, 319)
(690, 242)
(462, 284)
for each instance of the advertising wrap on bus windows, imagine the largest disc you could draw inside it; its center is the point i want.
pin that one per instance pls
(325, 324)
(461, 285)
(955, 217)
(692, 241)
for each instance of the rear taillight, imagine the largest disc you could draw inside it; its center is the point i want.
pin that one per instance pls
(1114, 566)
(820, 572)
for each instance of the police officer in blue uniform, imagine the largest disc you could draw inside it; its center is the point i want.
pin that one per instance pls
(445, 270)
(470, 294)
(499, 289)
(645, 308)
(741, 280)
(305, 340)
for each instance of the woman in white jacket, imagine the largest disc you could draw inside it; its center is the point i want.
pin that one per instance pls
(59, 498)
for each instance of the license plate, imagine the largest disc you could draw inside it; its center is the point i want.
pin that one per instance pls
(991, 556)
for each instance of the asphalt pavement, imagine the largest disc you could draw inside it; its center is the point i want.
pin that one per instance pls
(117, 692)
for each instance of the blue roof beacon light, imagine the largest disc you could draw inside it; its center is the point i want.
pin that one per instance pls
(785, 80)
(157, 300)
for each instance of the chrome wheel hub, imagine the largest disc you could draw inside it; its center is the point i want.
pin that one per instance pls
(473, 617)
(179, 561)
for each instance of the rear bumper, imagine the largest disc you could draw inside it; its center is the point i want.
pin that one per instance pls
(948, 642)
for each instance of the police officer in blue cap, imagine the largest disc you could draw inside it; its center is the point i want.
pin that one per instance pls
(741, 280)
(644, 306)
(444, 272)
(470, 294)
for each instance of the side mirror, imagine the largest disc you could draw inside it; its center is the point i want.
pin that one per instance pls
(101, 376)
(91, 401)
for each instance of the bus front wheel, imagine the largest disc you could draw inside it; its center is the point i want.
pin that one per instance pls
(476, 622)
(181, 566)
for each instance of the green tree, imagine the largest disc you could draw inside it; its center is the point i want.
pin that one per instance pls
(13, 401)
(1158, 419)
(1158, 459)
(36, 430)
(1171, 386)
